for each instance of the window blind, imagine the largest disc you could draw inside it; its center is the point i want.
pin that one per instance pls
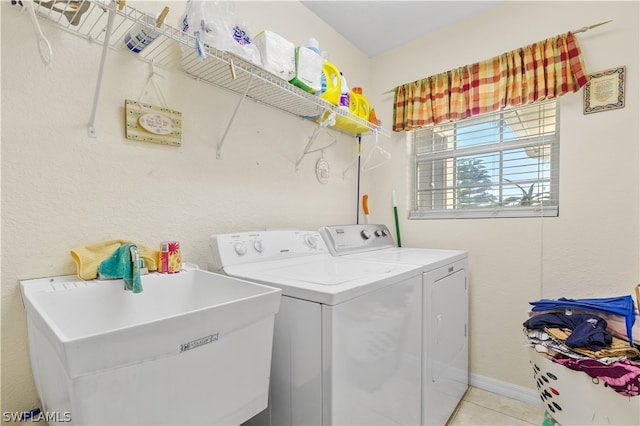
(498, 164)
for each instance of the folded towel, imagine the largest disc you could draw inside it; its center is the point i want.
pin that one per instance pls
(121, 265)
(88, 257)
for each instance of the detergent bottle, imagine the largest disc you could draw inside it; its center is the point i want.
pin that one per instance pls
(331, 76)
(309, 65)
(358, 104)
(344, 93)
(313, 44)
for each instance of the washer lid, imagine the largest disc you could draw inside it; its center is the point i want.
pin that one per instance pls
(331, 272)
(325, 279)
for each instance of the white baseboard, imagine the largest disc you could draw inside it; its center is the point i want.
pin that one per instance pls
(519, 393)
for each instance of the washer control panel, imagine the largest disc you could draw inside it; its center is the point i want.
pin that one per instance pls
(246, 247)
(347, 239)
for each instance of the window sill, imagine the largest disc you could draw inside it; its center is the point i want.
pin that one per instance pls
(480, 213)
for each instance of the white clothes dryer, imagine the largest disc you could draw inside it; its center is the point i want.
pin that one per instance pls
(347, 339)
(445, 359)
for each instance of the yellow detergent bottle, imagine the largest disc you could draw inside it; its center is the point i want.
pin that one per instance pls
(331, 76)
(359, 105)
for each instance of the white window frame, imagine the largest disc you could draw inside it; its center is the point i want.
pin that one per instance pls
(434, 199)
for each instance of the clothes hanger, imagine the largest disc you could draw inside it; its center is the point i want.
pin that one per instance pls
(44, 47)
(156, 89)
(368, 163)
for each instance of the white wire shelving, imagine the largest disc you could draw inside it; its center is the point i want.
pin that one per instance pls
(107, 22)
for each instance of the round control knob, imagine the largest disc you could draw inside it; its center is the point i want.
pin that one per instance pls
(378, 233)
(366, 234)
(257, 245)
(240, 248)
(310, 240)
(385, 232)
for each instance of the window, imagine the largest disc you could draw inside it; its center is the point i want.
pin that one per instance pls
(503, 164)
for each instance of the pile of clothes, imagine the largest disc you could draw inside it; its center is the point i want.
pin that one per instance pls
(590, 335)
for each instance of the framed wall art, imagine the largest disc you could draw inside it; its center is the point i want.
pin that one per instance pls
(605, 90)
(149, 123)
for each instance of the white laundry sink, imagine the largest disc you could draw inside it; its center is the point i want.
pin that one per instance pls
(191, 348)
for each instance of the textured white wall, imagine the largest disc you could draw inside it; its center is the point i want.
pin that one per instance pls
(61, 189)
(591, 249)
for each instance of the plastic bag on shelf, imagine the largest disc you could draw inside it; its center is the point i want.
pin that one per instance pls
(214, 23)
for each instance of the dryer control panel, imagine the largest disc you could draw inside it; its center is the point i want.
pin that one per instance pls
(246, 247)
(349, 239)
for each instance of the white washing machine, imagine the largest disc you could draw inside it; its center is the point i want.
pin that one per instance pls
(347, 339)
(445, 302)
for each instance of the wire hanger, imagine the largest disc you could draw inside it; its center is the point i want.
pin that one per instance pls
(44, 47)
(156, 89)
(369, 163)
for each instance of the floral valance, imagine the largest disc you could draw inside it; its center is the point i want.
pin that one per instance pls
(540, 71)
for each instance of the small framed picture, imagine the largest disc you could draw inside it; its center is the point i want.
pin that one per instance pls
(150, 123)
(605, 90)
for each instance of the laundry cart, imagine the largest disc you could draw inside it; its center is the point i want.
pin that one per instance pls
(584, 361)
(573, 398)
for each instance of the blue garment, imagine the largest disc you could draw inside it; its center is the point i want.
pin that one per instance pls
(621, 305)
(587, 330)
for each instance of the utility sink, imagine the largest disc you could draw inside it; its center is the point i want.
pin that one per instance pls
(191, 348)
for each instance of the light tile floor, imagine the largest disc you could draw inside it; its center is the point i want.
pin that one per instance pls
(480, 407)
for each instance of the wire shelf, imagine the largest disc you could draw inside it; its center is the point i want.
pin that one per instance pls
(175, 50)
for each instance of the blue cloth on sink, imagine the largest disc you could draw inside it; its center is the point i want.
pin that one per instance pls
(120, 265)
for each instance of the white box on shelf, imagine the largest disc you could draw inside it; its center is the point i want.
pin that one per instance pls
(278, 54)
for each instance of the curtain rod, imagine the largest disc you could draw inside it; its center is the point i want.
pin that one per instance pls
(584, 29)
(581, 30)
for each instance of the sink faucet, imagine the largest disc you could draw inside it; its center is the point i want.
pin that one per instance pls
(137, 261)
(137, 269)
(135, 256)
(125, 263)
(133, 282)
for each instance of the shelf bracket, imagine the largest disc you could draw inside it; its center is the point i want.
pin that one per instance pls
(329, 121)
(235, 112)
(105, 47)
